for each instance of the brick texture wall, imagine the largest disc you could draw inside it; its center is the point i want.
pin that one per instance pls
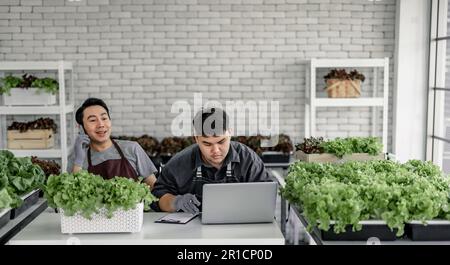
(143, 55)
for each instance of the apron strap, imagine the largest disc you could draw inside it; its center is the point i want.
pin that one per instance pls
(122, 156)
(198, 181)
(118, 149)
(199, 174)
(229, 172)
(89, 157)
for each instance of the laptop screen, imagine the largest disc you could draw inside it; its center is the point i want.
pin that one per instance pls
(251, 202)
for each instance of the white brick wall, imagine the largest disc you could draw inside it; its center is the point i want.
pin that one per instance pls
(142, 55)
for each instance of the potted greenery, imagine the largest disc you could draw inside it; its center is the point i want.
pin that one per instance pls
(22, 180)
(341, 84)
(380, 198)
(172, 145)
(5, 201)
(339, 150)
(90, 204)
(28, 90)
(149, 144)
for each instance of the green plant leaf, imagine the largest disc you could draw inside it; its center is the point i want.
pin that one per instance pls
(46, 84)
(86, 193)
(351, 192)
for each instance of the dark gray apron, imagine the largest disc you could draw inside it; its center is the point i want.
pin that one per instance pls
(199, 181)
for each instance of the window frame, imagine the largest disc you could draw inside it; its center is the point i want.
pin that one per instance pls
(436, 86)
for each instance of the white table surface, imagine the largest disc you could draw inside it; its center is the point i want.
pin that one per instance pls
(46, 229)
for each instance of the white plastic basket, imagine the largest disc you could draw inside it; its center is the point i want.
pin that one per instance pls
(30, 96)
(121, 222)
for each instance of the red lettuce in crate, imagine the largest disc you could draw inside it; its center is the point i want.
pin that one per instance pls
(284, 145)
(39, 124)
(173, 145)
(342, 74)
(149, 144)
(49, 167)
(311, 145)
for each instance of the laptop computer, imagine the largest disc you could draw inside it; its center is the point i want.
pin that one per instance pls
(227, 203)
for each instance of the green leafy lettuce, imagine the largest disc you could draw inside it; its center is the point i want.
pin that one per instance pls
(21, 176)
(86, 193)
(5, 199)
(347, 146)
(355, 191)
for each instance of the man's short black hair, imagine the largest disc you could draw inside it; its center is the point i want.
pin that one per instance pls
(87, 103)
(210, 122)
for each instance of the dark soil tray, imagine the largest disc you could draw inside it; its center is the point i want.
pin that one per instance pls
(28, 200)
(436, 230)
(275, 157)
(370, 229)
(4, 217)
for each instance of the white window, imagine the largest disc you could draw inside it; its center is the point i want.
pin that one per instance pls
(438, 140)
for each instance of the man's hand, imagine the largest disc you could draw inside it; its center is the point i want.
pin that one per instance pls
(187, 203)
(81, 144)
(150, 181)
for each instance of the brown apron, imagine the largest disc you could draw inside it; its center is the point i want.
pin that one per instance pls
(113, 167)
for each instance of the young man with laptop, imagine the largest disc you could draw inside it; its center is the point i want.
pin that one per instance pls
(214, 159)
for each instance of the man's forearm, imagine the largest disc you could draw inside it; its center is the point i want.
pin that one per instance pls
(166, 202)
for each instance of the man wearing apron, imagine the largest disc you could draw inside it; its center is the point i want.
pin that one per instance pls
(96, 152)
(213, 159)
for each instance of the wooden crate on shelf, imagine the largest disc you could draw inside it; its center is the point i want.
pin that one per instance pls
(337, 88)
(31, 139)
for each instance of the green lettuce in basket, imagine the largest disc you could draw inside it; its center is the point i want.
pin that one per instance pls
(86, 193)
